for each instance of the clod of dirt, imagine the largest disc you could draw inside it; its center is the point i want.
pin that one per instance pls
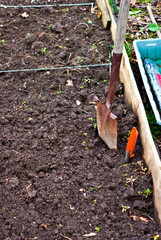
(13, 182)
(62, 55)
(83, 95)
(57, 27)
(90, 176)
(30, 39)
(37, 45)
(32, 193)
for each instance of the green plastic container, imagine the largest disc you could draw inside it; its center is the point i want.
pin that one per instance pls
(148, 49)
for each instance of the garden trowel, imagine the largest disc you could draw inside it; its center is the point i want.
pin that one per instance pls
(106, 120)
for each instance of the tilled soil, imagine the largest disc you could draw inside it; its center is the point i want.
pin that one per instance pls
(58, 179)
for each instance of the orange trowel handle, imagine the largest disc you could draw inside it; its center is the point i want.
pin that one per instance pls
(132, 141)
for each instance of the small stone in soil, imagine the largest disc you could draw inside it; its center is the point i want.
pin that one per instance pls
(90, 176)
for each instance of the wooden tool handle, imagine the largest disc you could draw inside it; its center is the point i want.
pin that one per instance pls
(118, 49)
(121, 26)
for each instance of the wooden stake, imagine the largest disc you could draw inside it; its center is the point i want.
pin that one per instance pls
(153, 19)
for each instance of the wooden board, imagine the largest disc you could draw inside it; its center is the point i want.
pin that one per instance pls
(133, 97)
(105, 15)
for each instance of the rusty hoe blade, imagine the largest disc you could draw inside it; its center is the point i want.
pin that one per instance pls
(106, 120)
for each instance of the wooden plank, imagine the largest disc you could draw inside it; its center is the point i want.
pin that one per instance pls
(133, 97)
(105, 15)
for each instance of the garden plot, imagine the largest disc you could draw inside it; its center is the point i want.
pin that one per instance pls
(58, 179)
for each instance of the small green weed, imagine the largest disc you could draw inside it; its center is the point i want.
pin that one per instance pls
(25, 104)
(97, 229)
(147, 192)
(129, 50)
(89, 21)
(123, 165)
(2, 41)
(154, 127)
(40, 95)
(153, 27)
(84, 134)
(144, 1)
(44, 50)
(87, 80)
(95, 48)
(127, 136)
(156, 237)
(91, 119)
(95, 125)
(59, 91)
(124, 208)
(80, 60)
(139, 192)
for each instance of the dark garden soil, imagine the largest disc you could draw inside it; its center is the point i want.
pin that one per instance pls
(58, 180)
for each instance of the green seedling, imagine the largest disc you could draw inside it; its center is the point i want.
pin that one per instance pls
(125, 175)
(124, 208)
(147, 192)
(127, 136)
(40, 95)
(95, 125)
(124, 111)
(94, 45)
(87, 148)
(2, 41)
(91, 119)
(95, 48)
(49, 27)
(59, 92)
(139, 192)
(87, 80)
(84, 134)
(123, 165)
(105, 81)
(91, 189)
(126, 185)
(99, 187)
(81, 87)
(25, 104)
(44, 50)
(80, 60)
(156, 237)
(89, 21)
(97, 229)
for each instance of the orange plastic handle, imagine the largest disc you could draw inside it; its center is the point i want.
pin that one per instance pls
(132, 141)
